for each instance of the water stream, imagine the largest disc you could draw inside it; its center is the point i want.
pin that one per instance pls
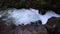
(25, 16)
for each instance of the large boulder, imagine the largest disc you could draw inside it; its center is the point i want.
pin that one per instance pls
(53, 25)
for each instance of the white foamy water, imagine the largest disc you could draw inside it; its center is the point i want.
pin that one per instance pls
(25, 16)
(49, 14)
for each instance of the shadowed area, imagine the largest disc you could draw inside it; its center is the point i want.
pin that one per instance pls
(41, 5)
(53, 25)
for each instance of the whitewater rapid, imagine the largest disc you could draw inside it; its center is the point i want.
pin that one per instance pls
(25, 16)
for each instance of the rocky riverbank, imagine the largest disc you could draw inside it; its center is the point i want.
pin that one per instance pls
(52, 27)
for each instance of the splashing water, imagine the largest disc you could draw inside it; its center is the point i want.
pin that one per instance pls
(49, 14)
(25, 16)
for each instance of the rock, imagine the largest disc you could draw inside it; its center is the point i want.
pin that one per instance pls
(53, 25)
(35, 28)
(31, 29)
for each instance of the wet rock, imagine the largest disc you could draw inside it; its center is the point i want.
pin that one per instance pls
(53, 25)
(31, 29)
(35, 28)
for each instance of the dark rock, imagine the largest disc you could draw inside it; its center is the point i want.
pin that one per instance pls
(26, 29)
(31, 29)
(53, 25)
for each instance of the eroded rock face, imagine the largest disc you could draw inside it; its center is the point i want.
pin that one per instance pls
(35, 28)
(53, 25)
